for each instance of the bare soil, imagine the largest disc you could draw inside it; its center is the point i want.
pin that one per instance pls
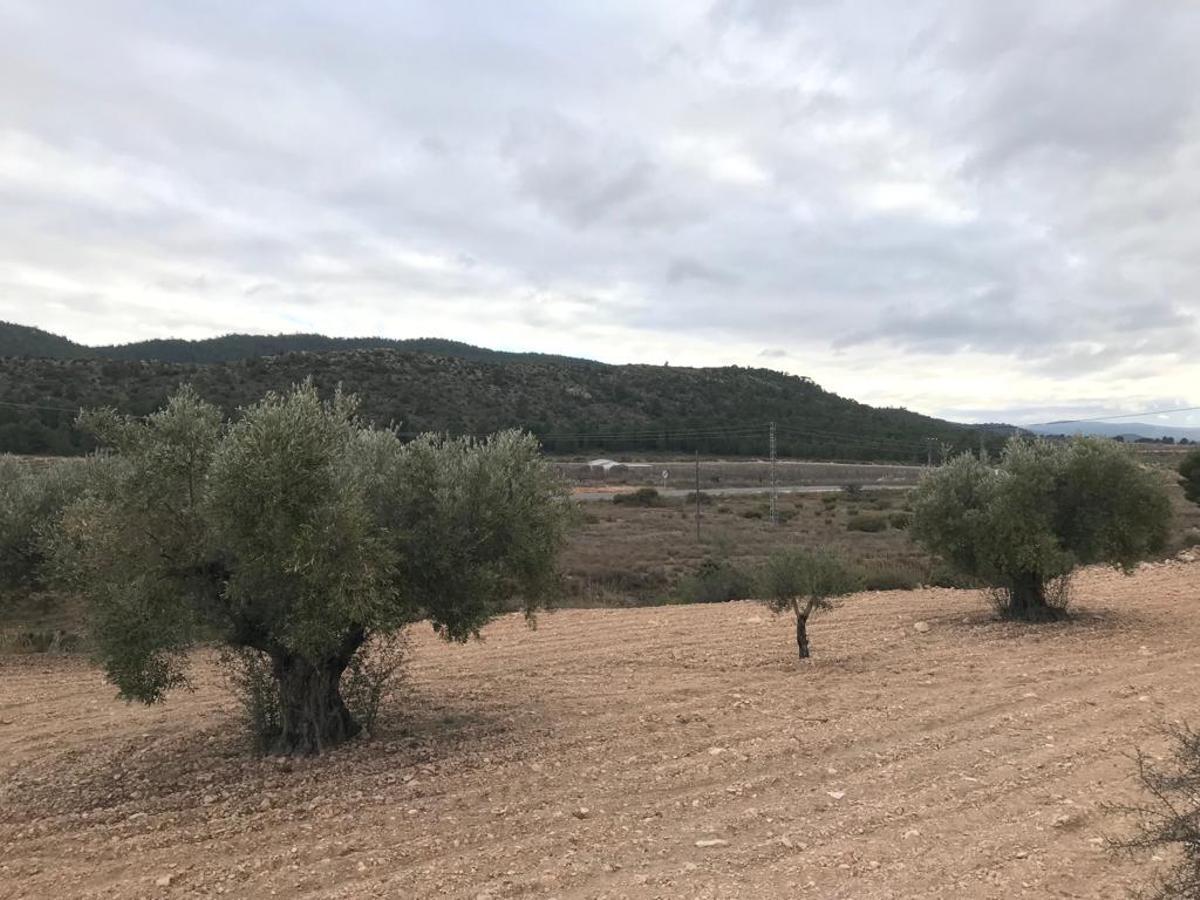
(668, 752)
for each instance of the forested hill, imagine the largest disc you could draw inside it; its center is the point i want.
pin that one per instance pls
(573, 407)
(22, 340)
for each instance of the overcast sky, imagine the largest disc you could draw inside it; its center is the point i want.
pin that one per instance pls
(972, 208)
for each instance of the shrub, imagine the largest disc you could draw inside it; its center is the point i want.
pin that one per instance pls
(1171, 820)
(870, 522)
(44, 640)
(900, 520)
(946, 576)
(717, 580)
(753, 514)
(1023, 528)
(1189, 472)
(645, 496)
(852, 490)
(299, 535)
(694, 497)
(892, 576)
(805, 581)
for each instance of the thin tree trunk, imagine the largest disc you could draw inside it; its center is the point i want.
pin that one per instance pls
(801, 629)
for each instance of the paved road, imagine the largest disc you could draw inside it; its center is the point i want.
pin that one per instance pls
(587, 496)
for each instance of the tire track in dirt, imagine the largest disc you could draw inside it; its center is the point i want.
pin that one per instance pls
(670, 726)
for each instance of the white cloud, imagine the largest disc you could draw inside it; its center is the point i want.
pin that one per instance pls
(955, 205)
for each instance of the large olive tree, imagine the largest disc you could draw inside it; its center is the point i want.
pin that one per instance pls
(297, 533)
(1025, 524)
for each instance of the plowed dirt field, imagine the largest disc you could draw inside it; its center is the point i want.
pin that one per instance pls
(667, 752)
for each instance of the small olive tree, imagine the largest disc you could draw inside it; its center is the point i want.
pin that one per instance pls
(1024, 526)
(298, 533)
(805, 581)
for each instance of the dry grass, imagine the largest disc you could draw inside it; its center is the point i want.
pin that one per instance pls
(625, 556)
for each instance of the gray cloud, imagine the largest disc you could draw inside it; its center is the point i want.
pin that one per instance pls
(1011, 186)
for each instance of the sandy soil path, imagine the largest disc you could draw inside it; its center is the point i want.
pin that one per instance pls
(667, 752)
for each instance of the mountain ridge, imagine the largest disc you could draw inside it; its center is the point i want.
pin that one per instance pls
(28, 341)
(573, 406)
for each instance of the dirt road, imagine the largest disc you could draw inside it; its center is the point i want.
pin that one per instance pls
(668, 752)
(586, 494)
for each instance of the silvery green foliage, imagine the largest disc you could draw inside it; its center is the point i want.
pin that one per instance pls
(1048, 507)
(298, 533)
(32, 498)
(808, 578)
(805, 581)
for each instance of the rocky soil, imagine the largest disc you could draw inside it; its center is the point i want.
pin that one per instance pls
(667, 752)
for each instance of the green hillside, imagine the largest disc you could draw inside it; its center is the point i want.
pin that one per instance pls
(573, 407)
(21, 340)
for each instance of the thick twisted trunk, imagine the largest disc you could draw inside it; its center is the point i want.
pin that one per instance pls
(312, 715)
(1027, 599)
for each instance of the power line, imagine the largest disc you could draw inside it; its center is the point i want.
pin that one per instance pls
(669, 433)
(1149, 412)
(914, 446)
(13, 403)
(825, 436)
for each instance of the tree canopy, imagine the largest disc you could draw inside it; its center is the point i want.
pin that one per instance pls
(1049, 506)
(805, 581)
(297, 532)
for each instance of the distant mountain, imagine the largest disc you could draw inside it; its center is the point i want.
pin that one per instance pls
(21, 340)
(574, 406)
(1126, 430)
(24, 341)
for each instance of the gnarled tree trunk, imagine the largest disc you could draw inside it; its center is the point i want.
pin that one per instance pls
(1027, 599)
(312, 715)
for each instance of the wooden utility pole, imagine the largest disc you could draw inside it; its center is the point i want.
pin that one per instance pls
(697, 496)
(774, 481)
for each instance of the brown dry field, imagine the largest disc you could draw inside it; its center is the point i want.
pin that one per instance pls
(594, 756)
